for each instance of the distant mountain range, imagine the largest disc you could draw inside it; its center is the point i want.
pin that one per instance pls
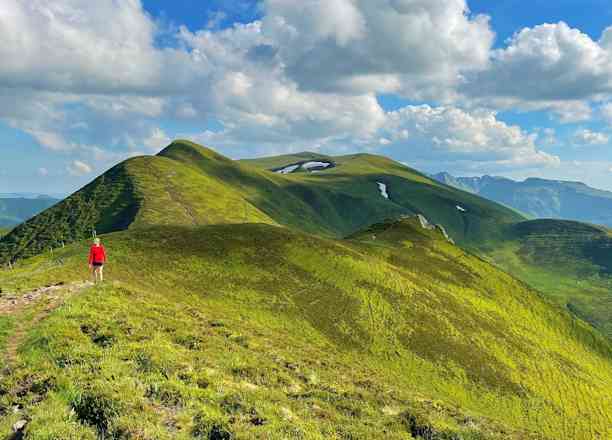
(31, 195)
(540, 198)
(16, 208)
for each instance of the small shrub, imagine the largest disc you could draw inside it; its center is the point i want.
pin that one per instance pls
(209, 427)
(96, 409)
(144, 363)
(167, 393)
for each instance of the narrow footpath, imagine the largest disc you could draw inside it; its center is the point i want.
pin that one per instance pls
(44, 300)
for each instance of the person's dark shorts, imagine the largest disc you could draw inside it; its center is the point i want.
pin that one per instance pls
(94, 264)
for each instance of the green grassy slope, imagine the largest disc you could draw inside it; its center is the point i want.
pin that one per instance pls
(106, 204)
(139, 192)
(263, 332)
(410, 191)
(570, 262)
(187, 184)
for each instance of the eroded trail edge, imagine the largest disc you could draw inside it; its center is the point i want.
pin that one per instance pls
(42, 302)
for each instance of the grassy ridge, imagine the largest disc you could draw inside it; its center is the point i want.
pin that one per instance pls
(392, 332)
(252, 329)
(187, 184)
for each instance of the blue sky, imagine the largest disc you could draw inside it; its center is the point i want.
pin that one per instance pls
(433, 86)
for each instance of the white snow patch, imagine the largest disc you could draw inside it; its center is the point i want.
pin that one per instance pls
(461, 208)
(383, 190)
(288, 170)
(309, 165)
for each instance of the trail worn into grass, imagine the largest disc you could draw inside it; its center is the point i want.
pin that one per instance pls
(41, 301)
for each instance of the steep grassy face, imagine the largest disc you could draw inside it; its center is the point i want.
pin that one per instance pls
(555, 244)
(570, 262)
(253, 330)
(139, 192)
(107, 204)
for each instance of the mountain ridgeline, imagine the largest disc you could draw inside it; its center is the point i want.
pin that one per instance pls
(305, 296)
(540, 198)
(190, 185)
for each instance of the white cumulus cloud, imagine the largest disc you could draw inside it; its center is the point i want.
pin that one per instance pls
(471, 138)
(413, 47)
(550, 66)
(88, 78)
(79, 168)
(588, 137)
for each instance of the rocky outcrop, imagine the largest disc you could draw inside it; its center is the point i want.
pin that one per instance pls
(425, 224)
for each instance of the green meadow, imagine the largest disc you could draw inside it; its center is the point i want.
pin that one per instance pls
(240, 303)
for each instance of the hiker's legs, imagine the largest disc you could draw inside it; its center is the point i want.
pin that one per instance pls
(93, 273)
(101, 273)
(96, 274)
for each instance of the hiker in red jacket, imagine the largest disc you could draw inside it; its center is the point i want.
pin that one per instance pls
(97, 258)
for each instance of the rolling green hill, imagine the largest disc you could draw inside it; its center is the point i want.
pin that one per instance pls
(246, 303)
(190, 185)
(254, 330)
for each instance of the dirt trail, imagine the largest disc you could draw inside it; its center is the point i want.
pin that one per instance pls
(50, 297)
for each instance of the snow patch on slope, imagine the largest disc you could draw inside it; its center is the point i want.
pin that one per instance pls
(383, 190)
(309, 165)
(461, 208)
(288, 170)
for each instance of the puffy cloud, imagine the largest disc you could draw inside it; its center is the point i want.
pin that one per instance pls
(248, 92)
(414, 47)
(79, 168)
(423, 136)
(157, 140)
(79, 45)
(548, 66)
(432, 134)
(304, 77)
(588, 137)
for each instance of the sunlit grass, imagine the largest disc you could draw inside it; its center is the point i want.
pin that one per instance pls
(253, 329)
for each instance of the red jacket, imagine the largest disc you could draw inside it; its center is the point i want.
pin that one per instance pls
(97, 254)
